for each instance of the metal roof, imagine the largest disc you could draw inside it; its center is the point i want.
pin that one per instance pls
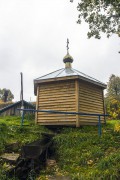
(15, 104)
(67, 72)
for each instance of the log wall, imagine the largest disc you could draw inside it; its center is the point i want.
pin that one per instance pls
(90, 101)
(58, 96)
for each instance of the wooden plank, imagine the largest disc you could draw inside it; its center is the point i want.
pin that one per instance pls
(62, 89)
(57, 105)
(58, 109)
(57, 117)
(90, 95)
(88, 107)
(91, 88)
(59, 79)
(50, 100)
(77, 102)
(87, 85)
(88, 117)
(57, 85)
(90, 92)
(62, 120)
(58, 97)
(61, 86)
(91, 101)
(104, 106)
(37, 104)
(59, 93)
(58, 124)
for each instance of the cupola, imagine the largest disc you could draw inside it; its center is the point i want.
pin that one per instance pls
(68, 58)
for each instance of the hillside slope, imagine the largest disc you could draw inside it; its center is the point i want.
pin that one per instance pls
(80, 153)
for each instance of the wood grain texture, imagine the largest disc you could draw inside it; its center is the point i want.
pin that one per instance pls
(37, 105)
(90, 101)
(59, 96)
(71, 95)
(77, 102)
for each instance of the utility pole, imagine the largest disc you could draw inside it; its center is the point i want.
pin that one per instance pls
(21, 95)
(21, 98)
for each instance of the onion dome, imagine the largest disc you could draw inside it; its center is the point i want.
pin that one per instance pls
(67, 59)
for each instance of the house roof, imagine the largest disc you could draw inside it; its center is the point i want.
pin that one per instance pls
(67, 73)
(15, 104)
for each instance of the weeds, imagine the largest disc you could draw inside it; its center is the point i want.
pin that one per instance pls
(80, 153)
(85, 155)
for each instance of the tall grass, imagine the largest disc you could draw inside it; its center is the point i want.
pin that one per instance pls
(82, 154)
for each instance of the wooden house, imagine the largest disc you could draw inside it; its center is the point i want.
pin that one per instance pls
(68, 90)
(11, 109)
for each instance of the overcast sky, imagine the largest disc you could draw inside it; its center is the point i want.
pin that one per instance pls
(33, 36)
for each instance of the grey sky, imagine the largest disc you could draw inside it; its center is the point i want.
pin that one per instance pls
(33, 37)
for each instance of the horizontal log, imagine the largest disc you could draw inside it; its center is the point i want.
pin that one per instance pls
(90, 89)
(53, 95)
(91, 86)
(90, 108)
(86, 118)
(62, 87)
(91, 101)
(56, 118)
(90, 95)
(59, 109)
(92, 120)
(58, 124)
(70, 98)
(57, 84)
(67, 120)
(57, 105)
(57, 92)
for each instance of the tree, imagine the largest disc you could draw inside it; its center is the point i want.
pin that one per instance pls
(101, 16)
(113, 87)
(6, 95)
(112, 99)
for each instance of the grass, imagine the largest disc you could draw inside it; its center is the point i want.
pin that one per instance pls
(12, 132)
(80, 153)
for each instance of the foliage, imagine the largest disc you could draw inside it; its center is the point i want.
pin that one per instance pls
(80, 152)
(6, 94)
(101, 16)
(83, 155)
(12, 132)
(112, 99)
(117, 127)
(113, 89)
(112, 107)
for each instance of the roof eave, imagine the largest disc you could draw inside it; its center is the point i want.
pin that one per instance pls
(102, 85)
(52, 80)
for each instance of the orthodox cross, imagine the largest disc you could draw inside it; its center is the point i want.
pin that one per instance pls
(67, 46)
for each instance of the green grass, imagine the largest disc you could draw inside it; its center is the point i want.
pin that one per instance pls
(12, 132)
(80, 153)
